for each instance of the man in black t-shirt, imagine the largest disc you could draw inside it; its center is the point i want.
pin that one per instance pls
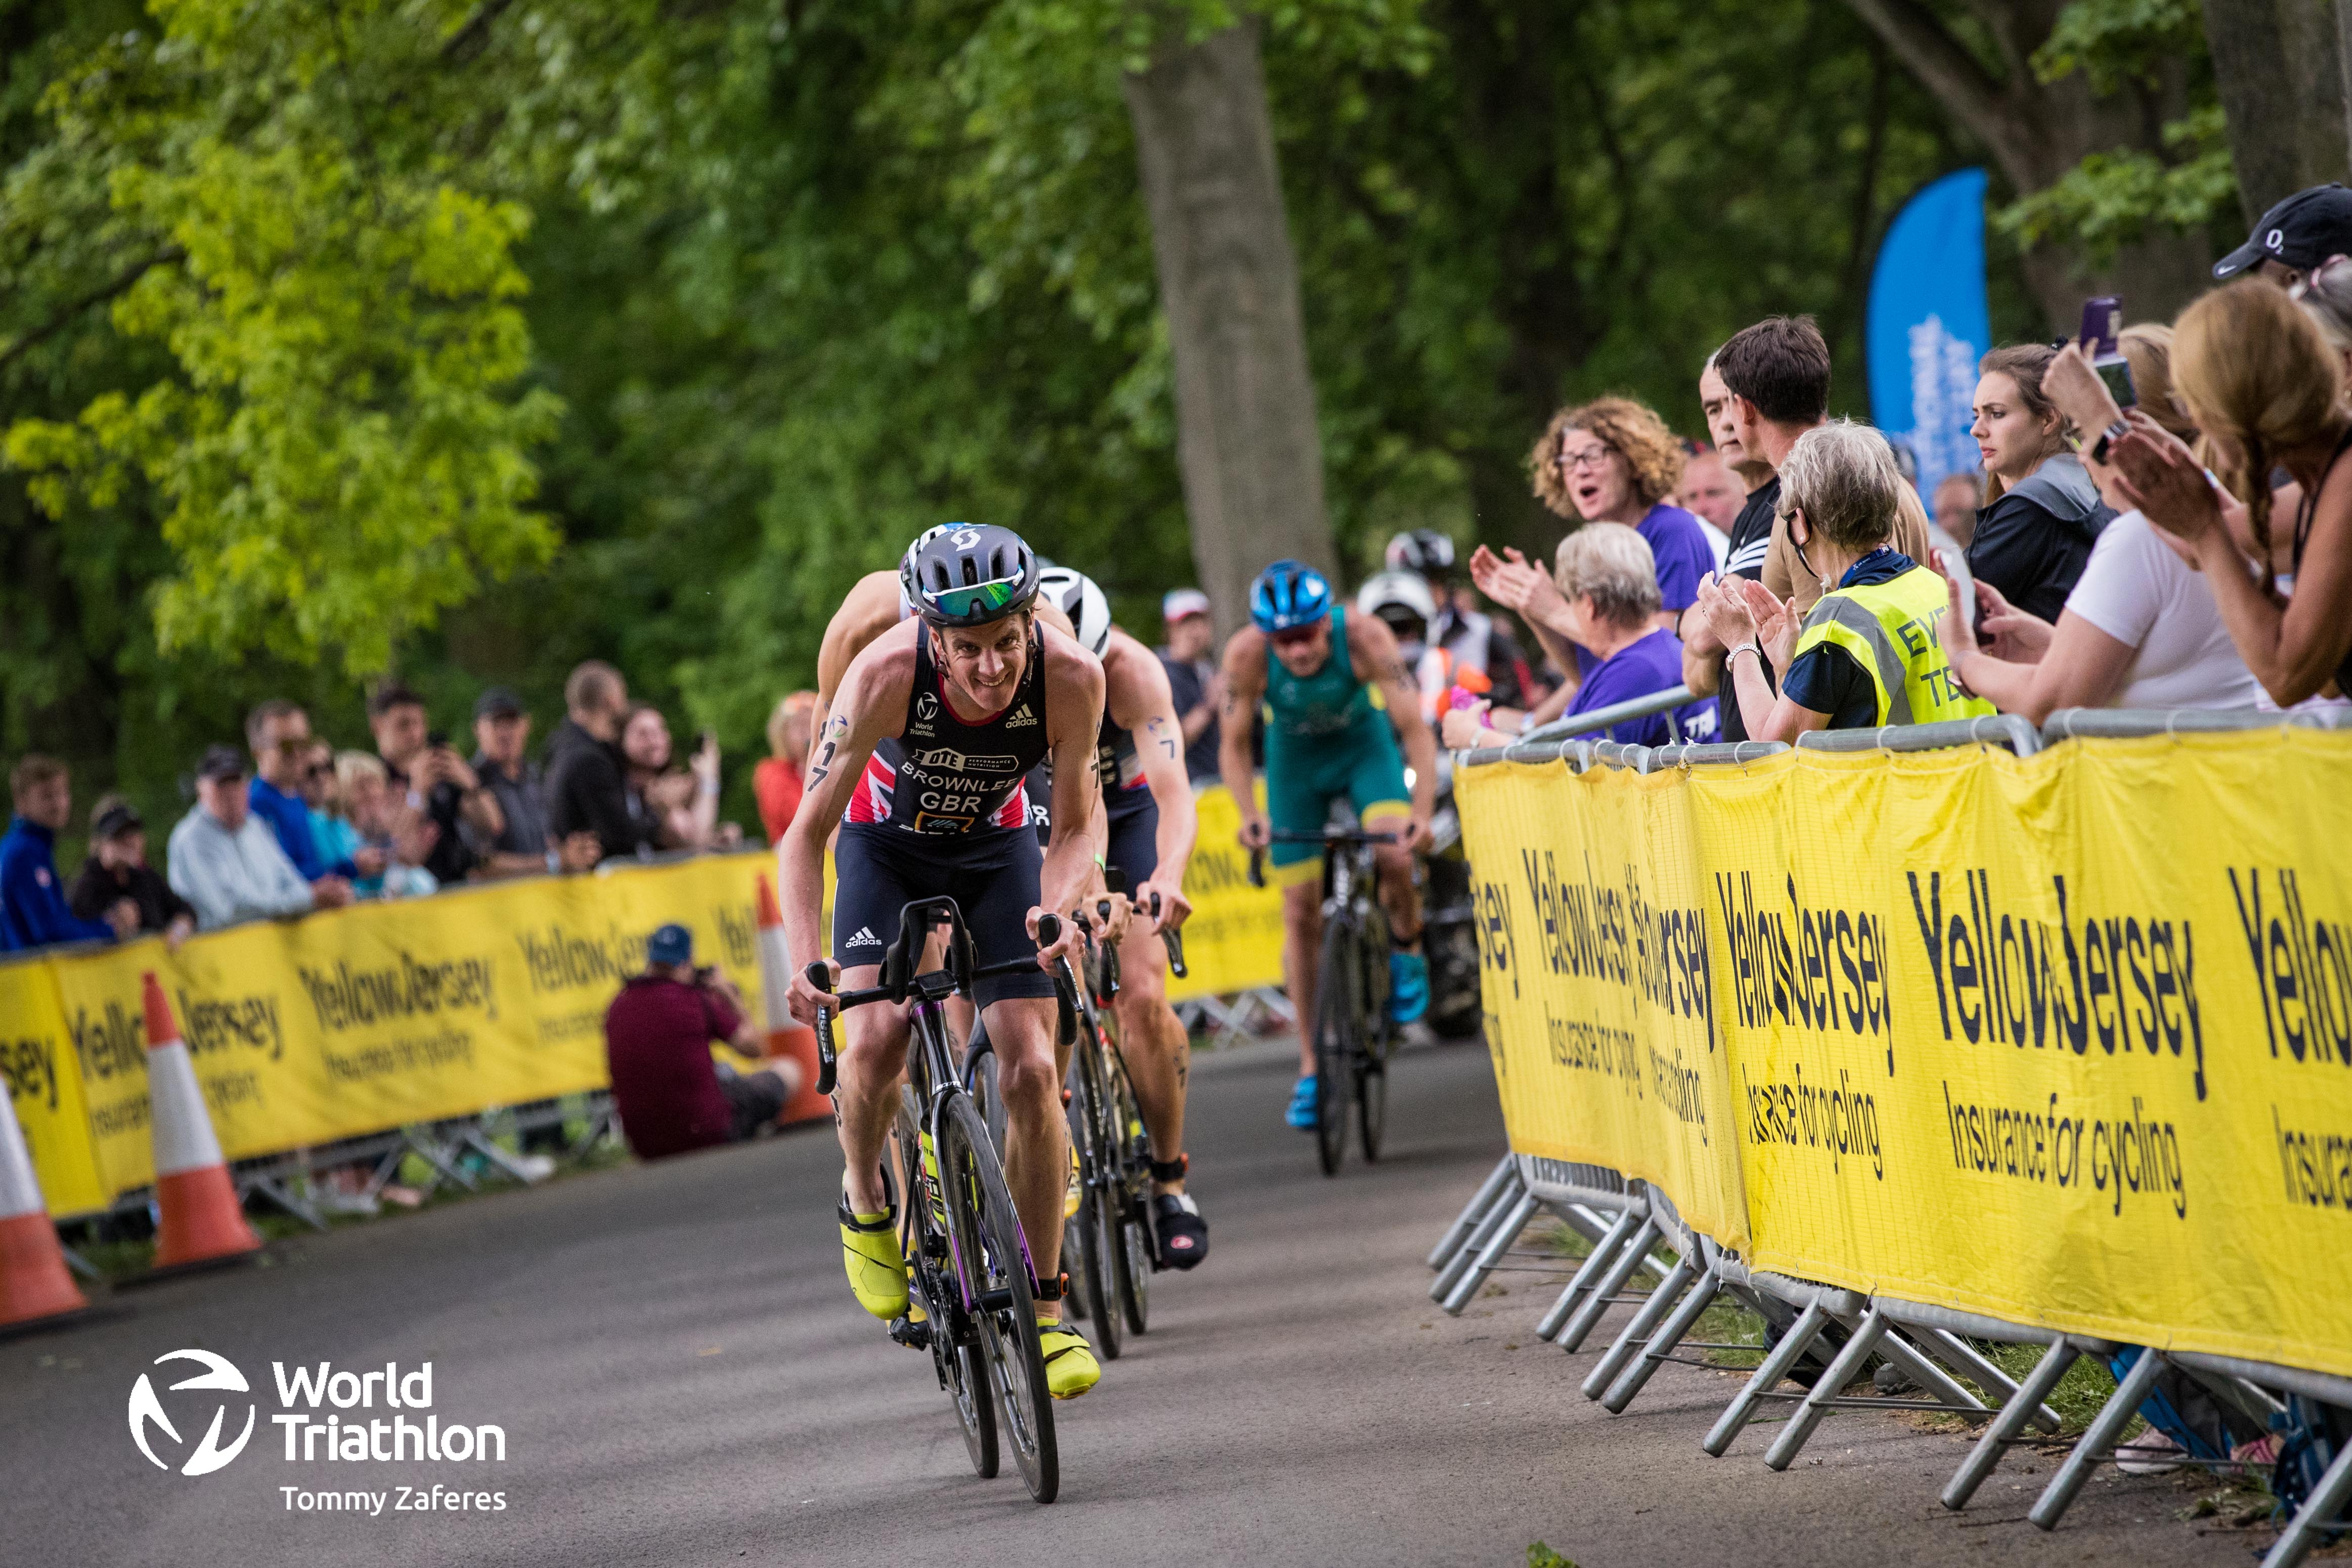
(1751, 531)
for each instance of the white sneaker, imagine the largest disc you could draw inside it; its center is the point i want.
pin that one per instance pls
(2149, 1454)
(534, 1167)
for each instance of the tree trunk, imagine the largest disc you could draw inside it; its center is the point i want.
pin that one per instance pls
(2279, 66)
(1246, 439)
(2037, 130)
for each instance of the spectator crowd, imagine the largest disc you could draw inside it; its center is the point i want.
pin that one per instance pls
(2161, 521)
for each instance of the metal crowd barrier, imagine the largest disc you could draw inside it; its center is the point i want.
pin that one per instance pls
(1663, 702)
(1628, 1219)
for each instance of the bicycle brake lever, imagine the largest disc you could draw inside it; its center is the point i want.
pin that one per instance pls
(820, 975)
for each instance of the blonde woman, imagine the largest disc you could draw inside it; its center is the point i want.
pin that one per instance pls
(2261, 381)
(776, 781)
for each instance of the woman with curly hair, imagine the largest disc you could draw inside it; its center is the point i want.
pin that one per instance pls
(1612, 460)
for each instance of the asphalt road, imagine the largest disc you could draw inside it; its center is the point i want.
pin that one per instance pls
(683, 1378)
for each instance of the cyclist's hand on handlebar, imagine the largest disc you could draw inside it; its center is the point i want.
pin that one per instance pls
(1111, 913)
(1418, 838)
(1065, 943)
(805, 999)
(1256, 832)
(1174, 908)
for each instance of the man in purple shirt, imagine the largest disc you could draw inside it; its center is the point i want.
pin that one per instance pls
(658, 1038)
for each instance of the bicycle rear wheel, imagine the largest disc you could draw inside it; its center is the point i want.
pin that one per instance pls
(1132, 1190)
(957, 1352)
(1337, 988)
(992, 1255)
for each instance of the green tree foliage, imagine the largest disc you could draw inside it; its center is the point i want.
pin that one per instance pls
(2113, 198)
(478, 338)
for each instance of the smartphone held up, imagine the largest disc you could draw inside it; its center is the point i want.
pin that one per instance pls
(2103, 324)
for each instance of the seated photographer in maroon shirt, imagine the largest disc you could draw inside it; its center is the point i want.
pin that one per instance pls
(671, 1095)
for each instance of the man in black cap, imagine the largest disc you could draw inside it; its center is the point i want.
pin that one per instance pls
(229, 863)
(116, 871)
(522, 844)
(2294, 236)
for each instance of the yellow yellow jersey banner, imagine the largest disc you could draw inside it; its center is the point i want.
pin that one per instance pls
(342, 1025)
(2066, 1041)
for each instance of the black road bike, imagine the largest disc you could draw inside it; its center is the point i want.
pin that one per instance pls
(1353, 1034)
(970, 1268)
(1115, 1233)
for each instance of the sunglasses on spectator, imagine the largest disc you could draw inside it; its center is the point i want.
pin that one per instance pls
(1294, 636)
(320, 770)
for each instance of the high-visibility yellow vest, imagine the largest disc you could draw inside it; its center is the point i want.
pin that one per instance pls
(1890, 629)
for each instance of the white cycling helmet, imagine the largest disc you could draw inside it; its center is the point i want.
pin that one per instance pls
(1401, 588)
(1076, 595)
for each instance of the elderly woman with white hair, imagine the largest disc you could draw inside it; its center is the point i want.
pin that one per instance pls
(1610, 579)
(1867, 654)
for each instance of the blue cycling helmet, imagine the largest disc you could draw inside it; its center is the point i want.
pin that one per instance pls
(1288, 593)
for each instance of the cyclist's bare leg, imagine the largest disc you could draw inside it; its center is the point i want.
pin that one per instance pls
(866, 1090)
(1152, 1042)
(1302, 945)
(1036, 1154)
(1399, 896)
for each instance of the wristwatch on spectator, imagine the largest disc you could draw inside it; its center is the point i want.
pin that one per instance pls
(2107, 438)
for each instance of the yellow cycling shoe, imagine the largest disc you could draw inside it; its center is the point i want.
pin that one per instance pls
(1070, 1365)
(877, 1271)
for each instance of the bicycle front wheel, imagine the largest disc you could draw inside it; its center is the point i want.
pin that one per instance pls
(954, 1340)
(993, 1258)
(1337, 988)
(1132, 1191)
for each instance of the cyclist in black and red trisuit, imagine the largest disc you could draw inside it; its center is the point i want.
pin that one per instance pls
(921, 760)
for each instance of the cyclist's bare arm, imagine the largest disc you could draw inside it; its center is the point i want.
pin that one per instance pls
(1380, 661)
(1073, 704)
(870, 706)
(870, 609)
(1140, 700)
(1245, 689)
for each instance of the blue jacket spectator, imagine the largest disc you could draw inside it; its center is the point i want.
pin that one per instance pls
(279, 734)
(32, 908)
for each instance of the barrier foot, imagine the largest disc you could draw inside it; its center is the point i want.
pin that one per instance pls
(1662, 1343)
(1638, 1327)
(1961, 1356)
(1844, 1370)
(2009, 1423)
(1498, 1241)
(1505, 1170)
(2324, 1504)
(2100, 1439)
(1466, 1259)
(1596, 1262)
(279, 1193)
(1587, 1315)
(77, 1263)
(1918, 1364)
(497, 1157)
(1735, 1414)
(436, 1154)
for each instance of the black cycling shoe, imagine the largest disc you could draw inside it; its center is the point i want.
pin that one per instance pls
(1184, 1234)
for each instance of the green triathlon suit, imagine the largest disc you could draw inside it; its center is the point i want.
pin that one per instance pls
(1328, 737)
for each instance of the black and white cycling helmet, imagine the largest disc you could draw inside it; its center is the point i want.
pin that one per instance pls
(906, 566)
(1076, 595)
(970, 574)
(1425, 550)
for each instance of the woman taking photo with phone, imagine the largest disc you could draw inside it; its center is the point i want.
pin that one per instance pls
(2041, 512)
(2140, 629)
(2259, 380)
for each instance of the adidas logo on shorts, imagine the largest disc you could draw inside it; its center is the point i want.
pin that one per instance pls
(1021, 719)
(865, 938)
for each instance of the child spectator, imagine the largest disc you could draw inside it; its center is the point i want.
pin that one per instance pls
(32, 908)
(117, 870)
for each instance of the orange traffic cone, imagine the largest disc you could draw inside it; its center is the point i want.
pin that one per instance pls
(202, 1221)
(34, 1284)
(785, 1038)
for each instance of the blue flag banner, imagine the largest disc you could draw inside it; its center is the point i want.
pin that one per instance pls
(1928, 324)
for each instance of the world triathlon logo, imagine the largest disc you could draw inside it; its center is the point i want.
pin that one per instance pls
(147, 1410)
